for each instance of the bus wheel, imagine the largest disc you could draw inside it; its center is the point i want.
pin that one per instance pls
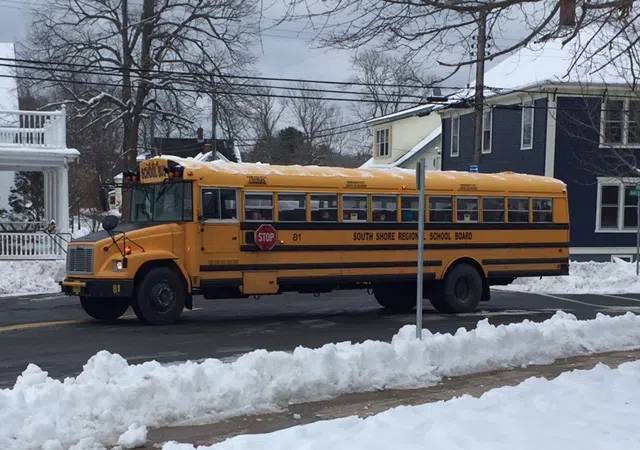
(459, 292)
(160, 297)
(107, 309)
(396, 297)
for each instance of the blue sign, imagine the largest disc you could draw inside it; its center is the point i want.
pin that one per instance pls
(473, 168)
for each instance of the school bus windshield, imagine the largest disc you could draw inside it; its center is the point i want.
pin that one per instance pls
(162, 203)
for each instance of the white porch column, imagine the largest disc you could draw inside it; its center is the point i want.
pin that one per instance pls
(47, 194)
(63, 204)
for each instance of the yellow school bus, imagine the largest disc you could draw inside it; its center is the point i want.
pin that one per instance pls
(234, 230)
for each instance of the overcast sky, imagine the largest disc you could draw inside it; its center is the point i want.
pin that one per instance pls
(284, 52)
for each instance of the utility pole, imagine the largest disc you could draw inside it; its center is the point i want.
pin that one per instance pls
(214, 118)
(479, 97)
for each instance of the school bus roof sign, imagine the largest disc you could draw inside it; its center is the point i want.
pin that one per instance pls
(151, 171)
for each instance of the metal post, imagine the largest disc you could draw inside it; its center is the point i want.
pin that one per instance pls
(420, 185)
(638, 237)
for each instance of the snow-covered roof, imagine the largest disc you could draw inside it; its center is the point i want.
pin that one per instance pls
(8, 84)
(586, 60)
(410, 112)
(416, 148)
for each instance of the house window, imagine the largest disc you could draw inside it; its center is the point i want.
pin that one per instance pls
(487, 122)
(382, 142)
(455, 136)
(617, 208)
(526, 134)
(620, 122)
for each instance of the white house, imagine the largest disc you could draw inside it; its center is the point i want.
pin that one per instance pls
(33, 141)
(402, 138)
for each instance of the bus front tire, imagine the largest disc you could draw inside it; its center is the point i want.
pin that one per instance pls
(459, 292)
(106, 309)
(399, 298)
(160, 297)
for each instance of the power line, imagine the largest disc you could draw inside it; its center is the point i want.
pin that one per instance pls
(235, 84)
(43, 64)
(210, 91)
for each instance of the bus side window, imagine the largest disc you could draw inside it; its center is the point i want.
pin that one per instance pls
(385, 208)
(354, 208)
(493, 209)
(210, 204)
(258, 207)
(219, 204)
(324, 208)
(292, 207)
(410, 208)
(440, 209)
(542, 209)
(518, 210)
(466, 209)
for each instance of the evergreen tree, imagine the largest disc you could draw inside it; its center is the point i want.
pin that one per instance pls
(26, 197)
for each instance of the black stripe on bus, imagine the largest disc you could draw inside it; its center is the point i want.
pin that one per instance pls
(405, 226)
(495, 262)
(220, 282)
(527, 273)
(443, 246)
(364, 278)
(313, 266)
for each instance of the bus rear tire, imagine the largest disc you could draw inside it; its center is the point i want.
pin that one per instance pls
(396, 297)
(459, 292)
(160, 297)
(105, 309)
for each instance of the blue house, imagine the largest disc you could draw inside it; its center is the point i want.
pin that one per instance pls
(580, 124)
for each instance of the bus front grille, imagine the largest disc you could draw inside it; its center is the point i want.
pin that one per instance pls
(80, 260)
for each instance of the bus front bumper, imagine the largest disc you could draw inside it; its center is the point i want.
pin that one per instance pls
(97, 288)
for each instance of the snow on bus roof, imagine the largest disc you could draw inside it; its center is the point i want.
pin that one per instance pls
(406, 175)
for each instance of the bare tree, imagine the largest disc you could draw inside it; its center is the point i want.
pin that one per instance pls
(311, 114)
(389, 80)
(134, 50)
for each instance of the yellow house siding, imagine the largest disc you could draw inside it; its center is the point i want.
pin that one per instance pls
(404, 134)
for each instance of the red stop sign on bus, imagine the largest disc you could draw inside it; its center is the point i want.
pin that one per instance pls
(266, 236)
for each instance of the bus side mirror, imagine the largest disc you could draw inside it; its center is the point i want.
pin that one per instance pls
(109, 223)
(102, 196)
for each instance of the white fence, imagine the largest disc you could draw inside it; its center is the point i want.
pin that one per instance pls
(42, 129)
(37, 245)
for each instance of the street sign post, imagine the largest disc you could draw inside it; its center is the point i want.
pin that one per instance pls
(420, 185)
(266, 237)
(636, 193)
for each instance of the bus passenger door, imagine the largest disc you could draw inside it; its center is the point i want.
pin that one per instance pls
(220, 224)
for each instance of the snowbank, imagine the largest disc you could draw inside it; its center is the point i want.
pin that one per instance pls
(30, 277)
(110, 395)
(594, 409)
(617, 277)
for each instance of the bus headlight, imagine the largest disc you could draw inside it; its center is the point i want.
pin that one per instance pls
(117, 265)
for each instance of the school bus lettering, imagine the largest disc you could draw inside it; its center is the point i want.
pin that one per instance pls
(213, 230)
(151, 171)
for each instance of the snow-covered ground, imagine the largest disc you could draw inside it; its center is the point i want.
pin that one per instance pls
(30, 277)
(617, 277)
(585, 278)
(591, 409)
(110, 395)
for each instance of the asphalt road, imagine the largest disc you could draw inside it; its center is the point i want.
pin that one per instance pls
(53, 332)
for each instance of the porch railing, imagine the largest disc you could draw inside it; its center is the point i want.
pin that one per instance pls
(33, 246)
(42, 129)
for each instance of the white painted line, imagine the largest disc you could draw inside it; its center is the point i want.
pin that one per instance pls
(568, 300)
(620, 297)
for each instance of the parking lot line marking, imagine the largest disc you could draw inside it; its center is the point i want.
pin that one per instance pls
(570, 300)
(32, 325)
(28, 326)
(621, 297)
